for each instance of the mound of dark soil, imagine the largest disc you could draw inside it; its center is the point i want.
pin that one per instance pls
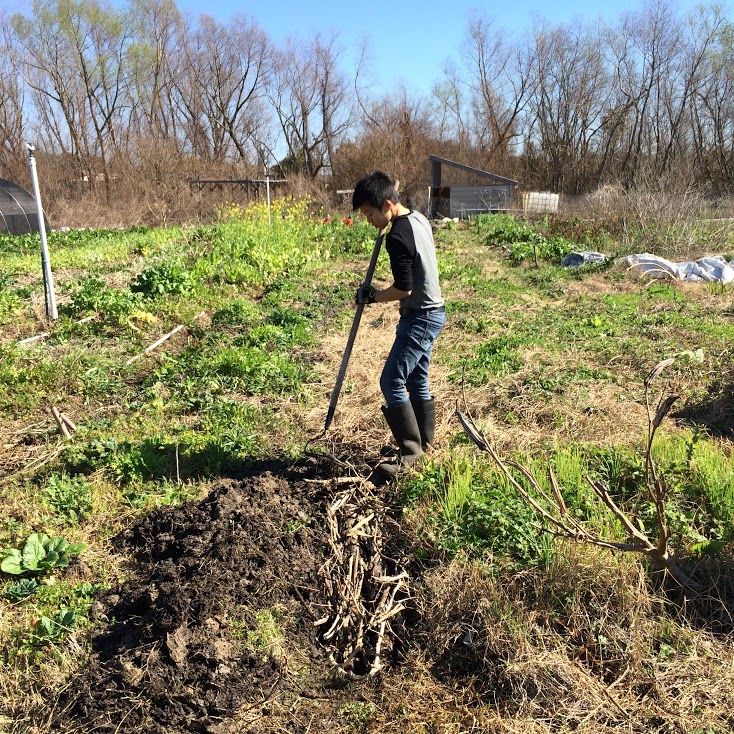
(184, 644)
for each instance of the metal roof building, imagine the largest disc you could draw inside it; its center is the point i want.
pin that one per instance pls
(18, 212)
(492, 194)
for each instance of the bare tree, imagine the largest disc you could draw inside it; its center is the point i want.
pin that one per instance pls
(309, 96)
(500, 86)
(74, 62)
(449, 99)
(395, 134)
(48, 70)
(221, 88)
(569, 92)
(154, 61)
(651, 43)
(712, 100)
(12, 118)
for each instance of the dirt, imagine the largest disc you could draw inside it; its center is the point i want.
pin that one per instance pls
(184, 644)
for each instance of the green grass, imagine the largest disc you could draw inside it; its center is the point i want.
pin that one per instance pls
(496, 357)
(475, 510)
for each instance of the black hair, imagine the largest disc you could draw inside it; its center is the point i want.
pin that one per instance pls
(374, 189)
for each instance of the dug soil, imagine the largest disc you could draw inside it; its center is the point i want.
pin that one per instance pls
(214, 631)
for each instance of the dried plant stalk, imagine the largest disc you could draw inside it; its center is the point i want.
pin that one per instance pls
(561, 523)
(365, 589)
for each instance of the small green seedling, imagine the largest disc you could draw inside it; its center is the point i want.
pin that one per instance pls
(54, 629)
(40, 554)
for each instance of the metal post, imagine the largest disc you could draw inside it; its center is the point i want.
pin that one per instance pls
(48, 280)
(267, 190)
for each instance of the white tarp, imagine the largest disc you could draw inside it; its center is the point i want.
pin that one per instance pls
(586, 257)
(706, 269)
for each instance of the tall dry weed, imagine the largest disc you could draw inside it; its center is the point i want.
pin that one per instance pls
(666, 215)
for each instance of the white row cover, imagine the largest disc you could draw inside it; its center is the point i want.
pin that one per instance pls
(706, 270)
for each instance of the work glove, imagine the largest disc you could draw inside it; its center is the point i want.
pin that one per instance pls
(365, 294)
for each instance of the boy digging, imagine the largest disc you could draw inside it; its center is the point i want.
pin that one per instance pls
(410, 410)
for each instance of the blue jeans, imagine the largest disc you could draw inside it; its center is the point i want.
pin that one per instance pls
(405, 374)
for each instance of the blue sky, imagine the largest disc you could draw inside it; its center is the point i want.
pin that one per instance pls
(409, 41)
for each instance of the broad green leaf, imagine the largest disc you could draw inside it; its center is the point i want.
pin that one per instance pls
(12, 562)
(65, 618)
(51, 559)
(57, 544)
(45, 627)
(708, 547)
(33, 552)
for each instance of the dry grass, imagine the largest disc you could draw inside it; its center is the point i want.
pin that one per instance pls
(579, 648)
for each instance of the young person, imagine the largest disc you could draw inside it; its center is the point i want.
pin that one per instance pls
(410, 409)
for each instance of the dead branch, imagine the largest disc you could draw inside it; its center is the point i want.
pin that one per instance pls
(63, 428)
(160, 341)
(559, 521)
(69, 423)
(35, 338)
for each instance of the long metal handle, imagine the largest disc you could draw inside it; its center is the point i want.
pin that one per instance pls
(352, 334)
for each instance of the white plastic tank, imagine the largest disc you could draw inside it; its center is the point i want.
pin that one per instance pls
(539, 202)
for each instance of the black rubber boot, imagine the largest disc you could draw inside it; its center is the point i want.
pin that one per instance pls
(404, 427)
(425, 414)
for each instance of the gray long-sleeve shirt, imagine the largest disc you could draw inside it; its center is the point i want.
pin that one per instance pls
(412, 254)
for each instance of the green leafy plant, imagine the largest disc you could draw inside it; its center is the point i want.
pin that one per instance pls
(161, 279)
(54, 629)
(40, 554)
(357, 714)
(21, 589)
(522, 241)
(93, 294)
(266, 636)
(238, 312)
(258, 372)
(496, 357)
(473, 511)
(70, 497)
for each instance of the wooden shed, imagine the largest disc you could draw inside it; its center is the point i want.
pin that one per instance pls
(486, 192)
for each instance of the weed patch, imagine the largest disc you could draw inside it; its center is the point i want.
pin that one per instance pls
(521, 241)
(496, 357)
(69, 497)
